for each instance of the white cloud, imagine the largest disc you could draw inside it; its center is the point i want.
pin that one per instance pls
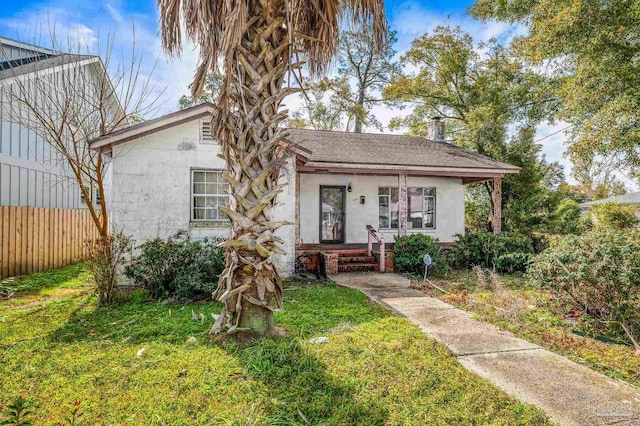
(54, 27)
(414, 19)
(114, 13)
(82, 35)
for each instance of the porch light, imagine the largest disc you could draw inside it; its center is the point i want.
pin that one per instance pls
(349, 187)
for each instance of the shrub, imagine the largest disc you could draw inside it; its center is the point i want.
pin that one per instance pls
(613, 216)
(502, 253)
(178, 267)
(599, 274)
(17, 412)
(106, 261)
(409, 250)
(566, 218)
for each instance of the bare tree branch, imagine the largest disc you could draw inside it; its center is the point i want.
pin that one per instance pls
(71, 98)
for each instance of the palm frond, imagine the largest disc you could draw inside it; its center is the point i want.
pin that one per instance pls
(217, 28)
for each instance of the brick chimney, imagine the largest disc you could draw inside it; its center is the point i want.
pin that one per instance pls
(436, 129)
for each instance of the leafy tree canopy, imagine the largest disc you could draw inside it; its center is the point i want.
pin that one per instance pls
(566, 218)
(589, 192)
(613, 216)
(591, 49)
(492, 104)
(345, 101)
(479, 91)
(210, 93)
(326, 105)
(368, 68)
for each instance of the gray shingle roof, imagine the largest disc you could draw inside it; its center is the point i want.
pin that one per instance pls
(632, 198)
(350, 148)
(399, 150)
(38, 65)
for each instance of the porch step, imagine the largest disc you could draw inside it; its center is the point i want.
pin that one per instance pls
(356, 259)
(348, 252)
(357, 267)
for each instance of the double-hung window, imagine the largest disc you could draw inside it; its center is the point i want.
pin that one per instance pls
(388, 202)
(421, 208)
(209, 193)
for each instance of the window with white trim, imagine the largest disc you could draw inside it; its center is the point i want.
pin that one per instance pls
(209, 193)
(421, 208)
(94, 194)
(388, 204)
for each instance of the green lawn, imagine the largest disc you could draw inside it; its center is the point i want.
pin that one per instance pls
(57, 347)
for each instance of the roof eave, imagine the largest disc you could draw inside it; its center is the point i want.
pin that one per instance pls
(468, 174)
(300, 152)
(105, 143)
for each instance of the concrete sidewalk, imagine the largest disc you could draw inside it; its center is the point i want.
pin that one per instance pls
(570, 393)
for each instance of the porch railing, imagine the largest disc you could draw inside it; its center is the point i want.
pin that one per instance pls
(372, 235)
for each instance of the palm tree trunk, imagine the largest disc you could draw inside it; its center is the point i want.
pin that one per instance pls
(247, 123)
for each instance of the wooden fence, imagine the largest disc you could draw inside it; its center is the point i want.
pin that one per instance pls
(34, 239)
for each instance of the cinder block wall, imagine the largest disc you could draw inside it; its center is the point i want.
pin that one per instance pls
(151, 195)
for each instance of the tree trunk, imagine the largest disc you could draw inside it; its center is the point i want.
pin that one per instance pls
(247, 125)
(358, 126)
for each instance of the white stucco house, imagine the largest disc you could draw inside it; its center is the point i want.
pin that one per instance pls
(167, 176)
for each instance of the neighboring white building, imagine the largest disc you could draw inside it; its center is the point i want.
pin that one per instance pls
(167, 176)
(31, 173)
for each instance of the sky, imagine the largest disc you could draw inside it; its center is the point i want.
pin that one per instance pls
(94, 22)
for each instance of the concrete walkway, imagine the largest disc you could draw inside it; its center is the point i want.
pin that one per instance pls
(570, 393)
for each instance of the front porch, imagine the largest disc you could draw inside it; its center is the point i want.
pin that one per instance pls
(343, 220)
(329, 259)
(355, 193)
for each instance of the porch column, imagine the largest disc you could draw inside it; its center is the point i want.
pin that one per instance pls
(497, 205)
(402, 199)
(297, 225)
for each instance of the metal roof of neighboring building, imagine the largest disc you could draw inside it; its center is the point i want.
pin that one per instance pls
(631, 198)
(26, 67)
(27, 47)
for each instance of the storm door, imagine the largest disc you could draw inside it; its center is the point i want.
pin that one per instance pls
(332, 214)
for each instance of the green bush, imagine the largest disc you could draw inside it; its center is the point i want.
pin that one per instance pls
(566, 218)
(409, 250)
(599, 274)
(503, 253)
(107, 258)
(178, 267)
(613, 216)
